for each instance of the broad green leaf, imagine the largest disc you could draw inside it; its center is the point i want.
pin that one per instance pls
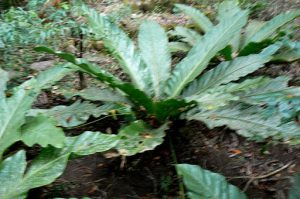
(121, 46)
(3, 81)
(204, 184)
(135, 95)
(254, 48)
(211, 100)
(14, 108)
(186, 35)
(42, 171)
(138, 137)
(42, 130)
(289, 53)
(75, 114)
(90, 142)
(222, 95)
(49, 165)
(204, 50)
(249, 122)
(227, 9)
(11, 174)
(98, 94)
(51, 162)
(227, 53)
(170, 108)
(270, 27)
(226, 72)
(197, 16)
(252, 27)
(153, 43)
(12, 115)
(270, 91)
(294, 193)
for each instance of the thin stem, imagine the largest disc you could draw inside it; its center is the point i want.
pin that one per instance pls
(82, 80)
(174, 157)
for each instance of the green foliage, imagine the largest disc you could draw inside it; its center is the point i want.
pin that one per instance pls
(158, 91)
(75, 114)
(248, 123)
(202, 22)
(138, 137)
(204, 50)
(98, 94)
(13, 109)
(227, 72)
(153, 43)
(18, 178)
(213, 94)
(43, 131)
(22, 28)
(257, 34)
(12, 117)
(295, 190)
(204, 184)
(120, 45)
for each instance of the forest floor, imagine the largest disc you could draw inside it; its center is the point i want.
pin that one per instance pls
(262, 170)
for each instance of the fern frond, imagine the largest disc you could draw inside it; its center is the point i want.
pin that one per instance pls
(249, 122)
(226, 72)
(153, 44)
(197, 16)
(270, 27)
(200, 55)
(121, 46)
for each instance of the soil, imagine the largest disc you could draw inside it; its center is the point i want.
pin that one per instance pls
(151, 175)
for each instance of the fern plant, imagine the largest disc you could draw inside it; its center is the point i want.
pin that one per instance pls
(252, 39)
(216, 96)
(159, 91)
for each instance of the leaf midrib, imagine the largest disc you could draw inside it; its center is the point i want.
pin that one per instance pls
(183, 82)
(277, 129)
(11, 116)
(226, 73)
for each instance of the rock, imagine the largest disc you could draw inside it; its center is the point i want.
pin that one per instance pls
(42, 65)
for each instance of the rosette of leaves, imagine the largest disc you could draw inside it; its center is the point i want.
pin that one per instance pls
(159, 91)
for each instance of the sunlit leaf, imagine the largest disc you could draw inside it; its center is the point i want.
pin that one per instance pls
(204, 184)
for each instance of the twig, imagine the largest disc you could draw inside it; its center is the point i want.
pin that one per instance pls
(173, 154)
(252, 178)
(82, 80)
(265, 175)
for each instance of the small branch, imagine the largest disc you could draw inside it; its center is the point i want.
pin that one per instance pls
(173, 155)
(265, 175)
(82, 80)
(252, 178)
